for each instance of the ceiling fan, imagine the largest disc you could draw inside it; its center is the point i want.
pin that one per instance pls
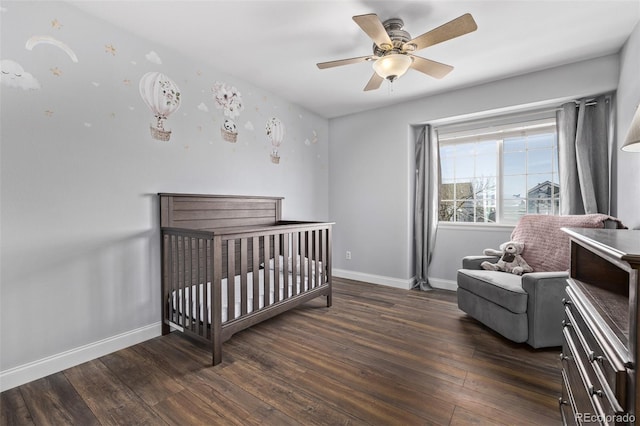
(393, 47)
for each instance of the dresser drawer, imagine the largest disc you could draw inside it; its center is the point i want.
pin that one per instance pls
(607, 369)
(566, 402)
(578, 379)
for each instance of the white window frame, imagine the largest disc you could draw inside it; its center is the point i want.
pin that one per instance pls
(500, 129)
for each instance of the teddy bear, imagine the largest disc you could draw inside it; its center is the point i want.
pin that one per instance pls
(230, 126)
(510, 260)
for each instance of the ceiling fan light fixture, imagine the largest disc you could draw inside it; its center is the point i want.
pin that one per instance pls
(392, 66)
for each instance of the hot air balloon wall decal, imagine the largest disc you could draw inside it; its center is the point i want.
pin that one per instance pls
(229, 100)
(275, 133)
(162, 96)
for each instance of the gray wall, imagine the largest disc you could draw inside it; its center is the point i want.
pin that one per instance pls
(371, 171)
(79, 174)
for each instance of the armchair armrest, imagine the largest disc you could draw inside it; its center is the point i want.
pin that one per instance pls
(473, 262)
(532, 279)
(545, 311)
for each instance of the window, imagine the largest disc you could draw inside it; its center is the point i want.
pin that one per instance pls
(498, 173)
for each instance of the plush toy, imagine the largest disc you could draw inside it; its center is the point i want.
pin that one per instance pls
(510, 259)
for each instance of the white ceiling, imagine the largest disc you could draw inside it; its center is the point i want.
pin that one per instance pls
(276, 44)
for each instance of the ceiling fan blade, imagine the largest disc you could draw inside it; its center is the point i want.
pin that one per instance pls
(460, 26)
(340, 62)
(429, 67)
(374, 82)
(372, 25)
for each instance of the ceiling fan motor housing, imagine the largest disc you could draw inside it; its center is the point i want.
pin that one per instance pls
(398, 37)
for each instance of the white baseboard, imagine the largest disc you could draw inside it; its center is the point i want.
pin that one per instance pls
(441, 284)
(375, 279)
(394, 282)
(41, 368)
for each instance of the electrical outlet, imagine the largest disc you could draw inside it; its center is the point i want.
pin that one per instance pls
(348, 255)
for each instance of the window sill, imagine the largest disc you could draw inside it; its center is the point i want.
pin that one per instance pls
(475, 226)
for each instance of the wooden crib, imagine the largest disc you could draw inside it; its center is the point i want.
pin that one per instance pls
(229, 262)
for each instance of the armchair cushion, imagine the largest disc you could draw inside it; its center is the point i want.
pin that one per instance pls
(498, 287)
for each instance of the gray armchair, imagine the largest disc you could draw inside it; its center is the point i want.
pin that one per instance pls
(526, 308)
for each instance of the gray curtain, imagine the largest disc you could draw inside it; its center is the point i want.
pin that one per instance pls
(585, 137)
(425, 219)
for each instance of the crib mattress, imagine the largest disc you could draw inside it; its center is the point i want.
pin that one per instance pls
(198, 299)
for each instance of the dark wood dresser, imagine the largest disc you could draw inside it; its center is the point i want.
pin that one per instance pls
(601, 345)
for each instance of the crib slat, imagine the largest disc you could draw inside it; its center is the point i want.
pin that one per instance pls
(185, 283)
(175, 264)
(163, 282)
(186, 271)
(328, 266)
(301, 257)
(323, 253)
(206, 296)
(316, 257)
(200, 284)
(243, 276)
(278, 283)
(231, 285)
(193, 313)
(309, 264)
(189, 312)
(285, 265)
(305, 261)
(192, 286)
(216, 300)
(188, 255)
(304, 255)
(169, 285)
(295, 236)
(267, 270)
(182, 273)
(255, 267)
(203, 298)
(180, 278)
(176, 278)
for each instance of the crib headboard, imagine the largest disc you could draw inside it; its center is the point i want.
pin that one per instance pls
(209, 212)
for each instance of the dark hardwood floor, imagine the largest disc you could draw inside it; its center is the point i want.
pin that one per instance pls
(378, 356)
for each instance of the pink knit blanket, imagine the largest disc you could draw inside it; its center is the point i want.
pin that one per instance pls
(546, 247)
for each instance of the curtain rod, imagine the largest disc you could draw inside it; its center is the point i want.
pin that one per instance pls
(588, 102)
(594, 100)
